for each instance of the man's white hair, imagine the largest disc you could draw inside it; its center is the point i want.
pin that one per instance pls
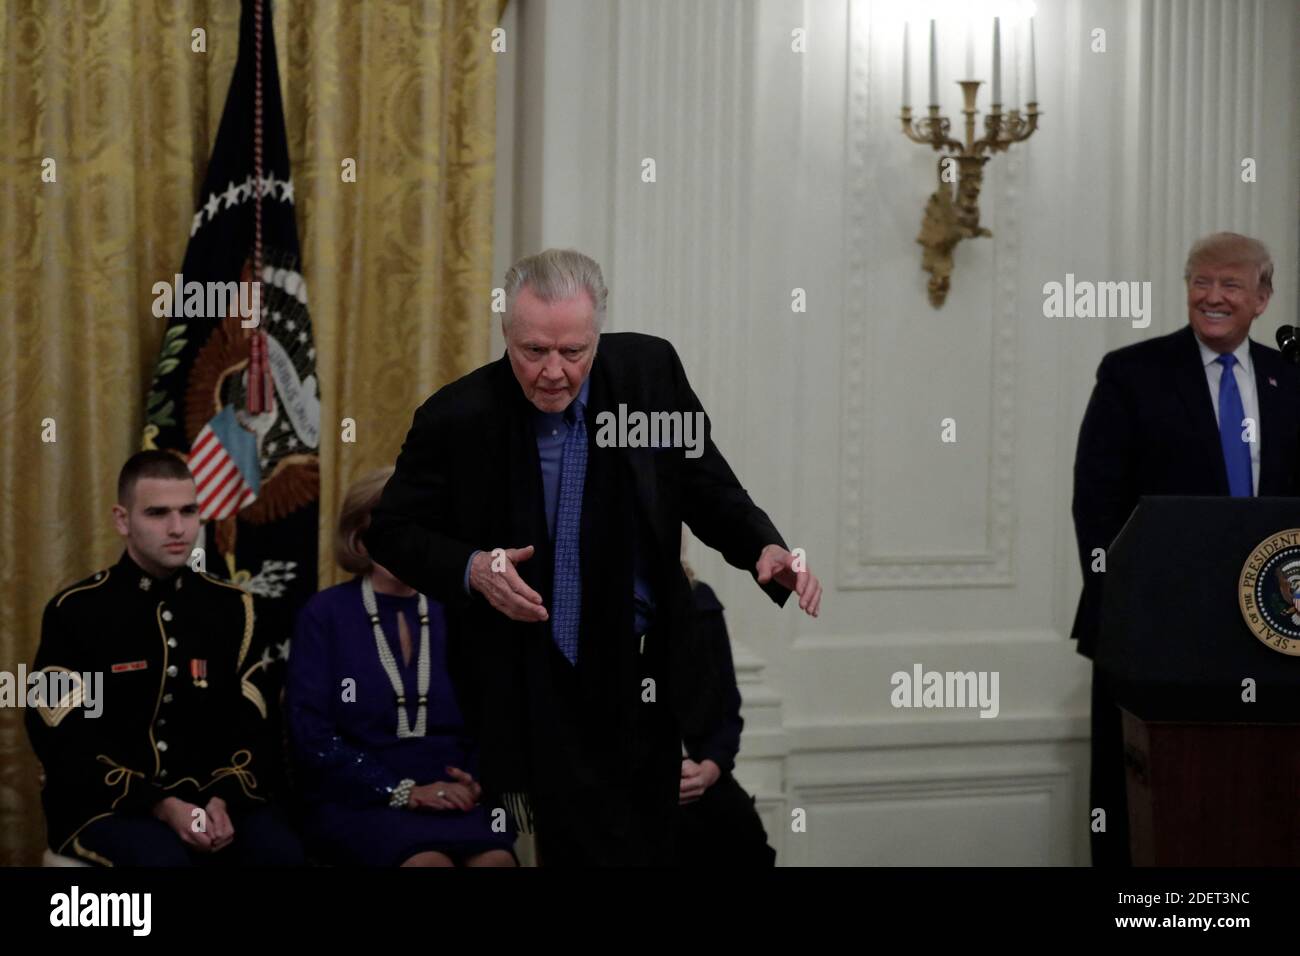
(554, 275)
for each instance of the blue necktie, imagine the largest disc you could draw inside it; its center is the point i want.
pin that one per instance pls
(566, 599)
(1236, 453)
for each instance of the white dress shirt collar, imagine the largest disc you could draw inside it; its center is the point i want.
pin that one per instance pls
(1242, 352)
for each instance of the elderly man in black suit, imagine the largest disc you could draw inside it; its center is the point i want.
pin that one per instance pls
(553, 538)
(1202, 411)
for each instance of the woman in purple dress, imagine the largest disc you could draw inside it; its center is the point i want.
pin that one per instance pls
(386, 770)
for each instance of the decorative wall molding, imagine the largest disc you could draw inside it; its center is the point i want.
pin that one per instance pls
(904, 733)
(861, 567)
(1052, 780)
(925, 639)
(1008, 808)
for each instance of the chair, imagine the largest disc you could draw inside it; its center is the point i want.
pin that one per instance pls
(50, 858)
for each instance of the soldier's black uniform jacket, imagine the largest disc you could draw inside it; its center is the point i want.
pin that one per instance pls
(184, 697)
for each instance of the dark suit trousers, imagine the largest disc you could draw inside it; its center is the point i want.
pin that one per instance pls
(1107, 783)
(596, 818)
(722, 829)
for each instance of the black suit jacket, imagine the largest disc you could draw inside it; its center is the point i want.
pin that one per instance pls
(1150, 430)
(468, 478)
(721, 743)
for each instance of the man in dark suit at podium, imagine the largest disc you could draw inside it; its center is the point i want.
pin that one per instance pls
(1202, 411)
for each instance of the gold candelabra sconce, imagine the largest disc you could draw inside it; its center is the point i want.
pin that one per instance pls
(952, 215)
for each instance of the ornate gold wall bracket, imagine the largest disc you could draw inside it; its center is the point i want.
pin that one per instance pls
(948, 220)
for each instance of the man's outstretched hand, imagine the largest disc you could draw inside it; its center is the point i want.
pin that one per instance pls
(504, 589)
(777, 564)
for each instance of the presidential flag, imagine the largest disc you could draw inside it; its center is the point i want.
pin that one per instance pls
(234, 390)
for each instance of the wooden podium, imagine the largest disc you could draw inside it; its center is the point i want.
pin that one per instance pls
(1211, 711)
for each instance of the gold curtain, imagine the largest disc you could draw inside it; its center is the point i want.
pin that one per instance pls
(398, 264)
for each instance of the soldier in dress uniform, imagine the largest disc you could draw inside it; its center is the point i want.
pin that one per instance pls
(172, 770)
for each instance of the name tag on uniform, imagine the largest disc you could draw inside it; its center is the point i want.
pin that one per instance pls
(129, 666)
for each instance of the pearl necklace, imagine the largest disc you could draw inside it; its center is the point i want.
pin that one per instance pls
(390, 663)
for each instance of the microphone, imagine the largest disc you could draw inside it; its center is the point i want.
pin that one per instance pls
(1288, 341)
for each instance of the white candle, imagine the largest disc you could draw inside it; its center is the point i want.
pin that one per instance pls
(970, 50)
(907, 70)
(1015, 65)
(1033, 92)
(997, 62)
(934, 68)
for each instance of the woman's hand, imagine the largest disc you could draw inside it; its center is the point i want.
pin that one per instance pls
(460, 776)
(441, 795)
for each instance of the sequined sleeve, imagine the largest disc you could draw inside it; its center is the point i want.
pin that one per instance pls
(332, 767)
(351, 774)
